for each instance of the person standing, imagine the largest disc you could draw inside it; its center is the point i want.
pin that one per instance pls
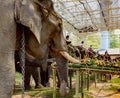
(81, 49)
(90, 48)
(107, 56)
(82, 44)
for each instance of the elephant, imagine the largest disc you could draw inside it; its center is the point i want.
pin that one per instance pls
(42, 28)
(32, 68)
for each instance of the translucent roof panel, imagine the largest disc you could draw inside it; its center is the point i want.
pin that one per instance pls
(90, 15)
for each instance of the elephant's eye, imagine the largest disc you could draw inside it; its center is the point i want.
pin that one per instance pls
(59, 24)
(45, 10)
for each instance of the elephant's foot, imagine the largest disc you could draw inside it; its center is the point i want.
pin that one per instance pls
(64, 90)
(28, 87)
(39, 86)
(49, 83)
(58, 85)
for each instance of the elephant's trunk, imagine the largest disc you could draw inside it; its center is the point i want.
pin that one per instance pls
(62, 70)
(68, 57)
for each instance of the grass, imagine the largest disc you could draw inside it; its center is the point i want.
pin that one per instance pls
(46, 92)
(115, 80)
(115, 87)
(18, 75)
(18, 78)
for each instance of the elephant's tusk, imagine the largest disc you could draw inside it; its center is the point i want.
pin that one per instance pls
(68, 57)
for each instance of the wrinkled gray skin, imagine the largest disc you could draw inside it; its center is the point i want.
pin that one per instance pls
(41, 28)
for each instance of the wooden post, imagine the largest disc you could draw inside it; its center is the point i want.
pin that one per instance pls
(80, 82)
(88, 81)
(95, 80)
(99, 77)
(82, 91)
(85, 79)
(77, 83)
(70, 78)
(54, 82)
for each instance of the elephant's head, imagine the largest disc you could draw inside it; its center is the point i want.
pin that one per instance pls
(44, 26)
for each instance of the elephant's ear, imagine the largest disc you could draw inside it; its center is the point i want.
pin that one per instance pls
(27, 15)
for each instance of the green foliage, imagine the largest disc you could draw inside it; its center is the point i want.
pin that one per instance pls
(115, 80)
(18, 78)
(93, 40)
(114, 40)
(92, 61)
(18, 75)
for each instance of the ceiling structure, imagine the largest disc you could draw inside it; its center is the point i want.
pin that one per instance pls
(90, 15)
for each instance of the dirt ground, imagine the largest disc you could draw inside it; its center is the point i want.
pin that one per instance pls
(103, 91)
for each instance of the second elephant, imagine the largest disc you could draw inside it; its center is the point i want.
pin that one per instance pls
(32, 68)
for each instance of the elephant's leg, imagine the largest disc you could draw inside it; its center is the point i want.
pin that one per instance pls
(7, 47)
(43, 72)
(43, 75)
(49, 74)
(49, 70)
(27, 77)
(36, 76)
(47, 77)
(7, 74)
(58, 78)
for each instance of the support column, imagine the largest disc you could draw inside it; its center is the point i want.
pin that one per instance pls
(105, 40)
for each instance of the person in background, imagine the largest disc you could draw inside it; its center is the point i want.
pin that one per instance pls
(106, 59)
(68, 40)
(90, 48)
(81, 49)
(107, 56)
(91, 52)
(82, 44)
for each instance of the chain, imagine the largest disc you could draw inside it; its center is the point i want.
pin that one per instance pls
(22, 60)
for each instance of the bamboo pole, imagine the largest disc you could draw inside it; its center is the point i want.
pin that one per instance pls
(88, 81)
(95, 80)
(82, 91)
(85, 79)
(70, 78)
(54, 82)
(77, 83)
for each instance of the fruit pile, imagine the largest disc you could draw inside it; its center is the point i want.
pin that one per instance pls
(97, 64)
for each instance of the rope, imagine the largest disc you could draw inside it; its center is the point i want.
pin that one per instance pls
(22, 60)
